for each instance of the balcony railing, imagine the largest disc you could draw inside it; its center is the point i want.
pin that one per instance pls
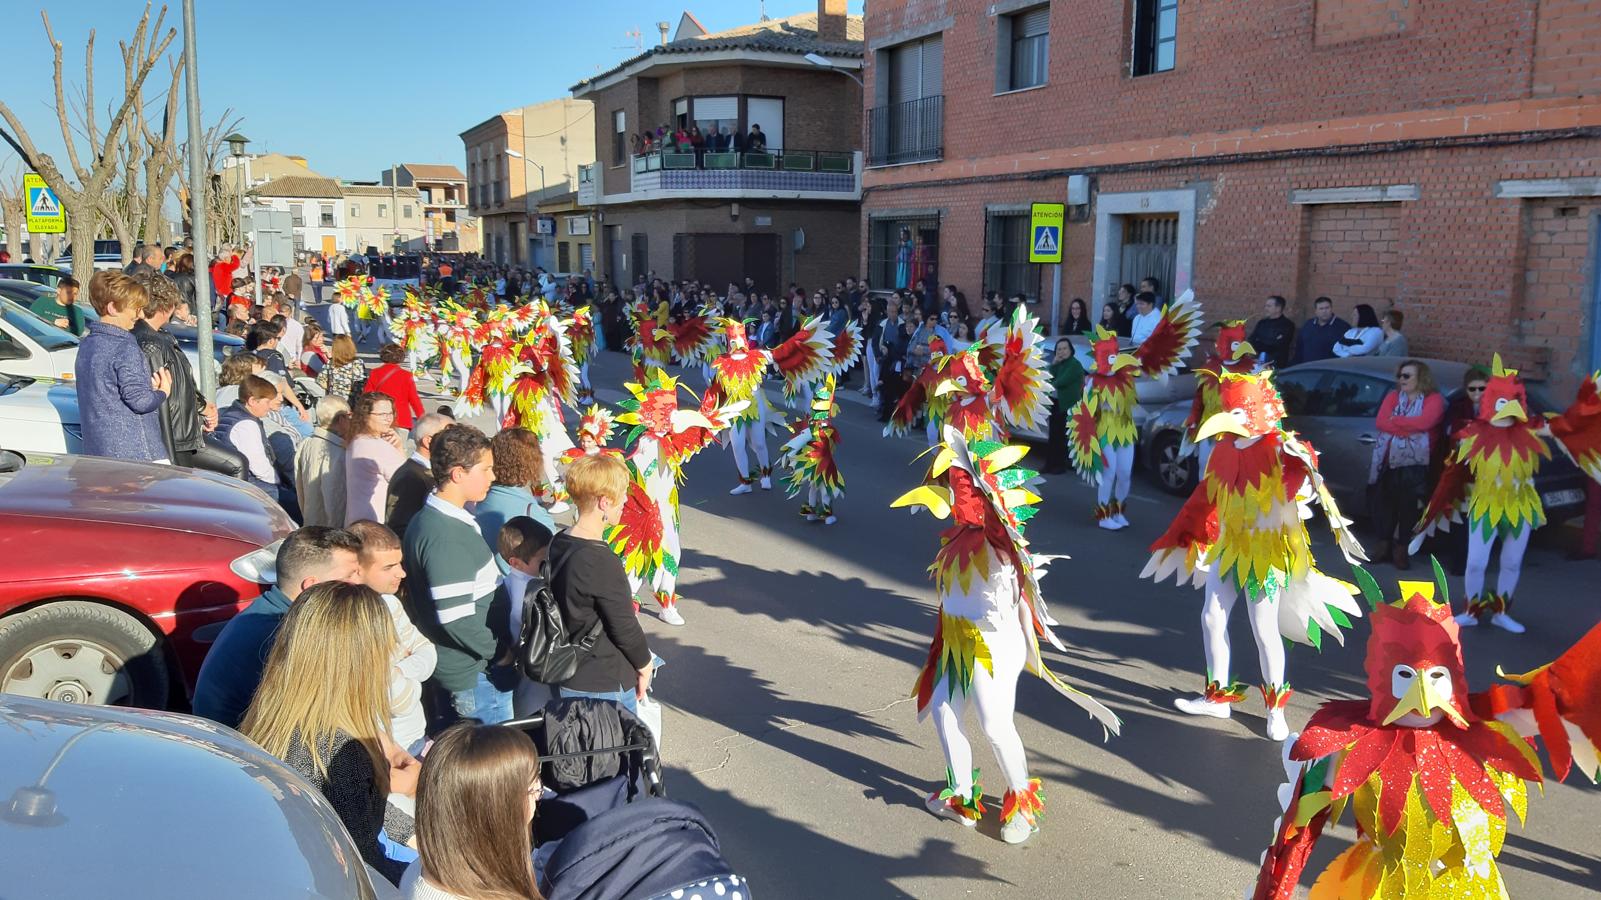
(830, 171)
(913, 131)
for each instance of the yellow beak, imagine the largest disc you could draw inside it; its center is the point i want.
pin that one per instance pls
(1512, 409)
(1220, 423)
(946, 387)
(1243, 349)
(1423, 700)
(1124, 361)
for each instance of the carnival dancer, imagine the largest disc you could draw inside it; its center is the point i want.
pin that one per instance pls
(804, 358)
(418, 320)
(454, 336)
(663, 438)
(1241, 531)
(1429, 769)
(1230, 353)
(809, 456)
(996, 385)
(595, 429)
(651, 344)
(1101, 432)
(581, 340)
(737, 375)
(695, 343)
(991, 611)
(1490, 475)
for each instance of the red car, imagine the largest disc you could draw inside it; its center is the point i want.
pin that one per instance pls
(114, 575)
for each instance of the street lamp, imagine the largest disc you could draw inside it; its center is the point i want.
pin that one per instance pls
(528, 162)
(826, 63)
(236, 148)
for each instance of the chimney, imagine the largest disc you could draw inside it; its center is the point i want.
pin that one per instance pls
(831, 20)
(663, 27)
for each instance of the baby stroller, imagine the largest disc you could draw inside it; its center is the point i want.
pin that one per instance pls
(609, 833)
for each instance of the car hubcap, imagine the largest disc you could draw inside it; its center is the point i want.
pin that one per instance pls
(1173, 469)
(70, 671)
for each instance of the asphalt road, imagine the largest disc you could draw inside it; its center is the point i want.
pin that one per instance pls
(789, 721)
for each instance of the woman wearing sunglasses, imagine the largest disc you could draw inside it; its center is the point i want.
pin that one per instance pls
(1409, 423)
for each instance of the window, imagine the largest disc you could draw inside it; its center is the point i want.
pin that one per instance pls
(405, 211)
(383, 210)
(297, 215)
(713, 114)
(1155, 36)
(619, 138)
(901, 251)
(1006, 265)
(325, 216)
(1355, 396)
(355, 210)
(1024, 48)
(908, 123)
(1302, 392)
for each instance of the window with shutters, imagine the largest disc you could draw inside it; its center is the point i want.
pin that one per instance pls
(1155, 36)
(297, 215)
(355, 210)
(1023, 49)
(909, 123)
(383, 210)
(619, 138)
(1006, 265)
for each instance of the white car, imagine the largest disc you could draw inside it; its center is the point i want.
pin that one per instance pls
(40, 416)
(32, 347)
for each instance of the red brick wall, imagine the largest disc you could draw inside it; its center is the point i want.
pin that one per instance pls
(1567, 56)
(1353, 252)
(1556, 302)
(1339, 21)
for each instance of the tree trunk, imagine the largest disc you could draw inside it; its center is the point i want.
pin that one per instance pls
(11, 213)
(81, 228)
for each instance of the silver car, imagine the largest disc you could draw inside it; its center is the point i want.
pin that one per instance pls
(1334, 404)
(106, 802)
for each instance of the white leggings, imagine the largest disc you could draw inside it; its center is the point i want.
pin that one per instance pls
(1115, 479)
(1479, 561)
(459, 364)
(583, 377)
(1264, 617)
(870, 367)
(749, 436)
(995, 697)
(933, 428)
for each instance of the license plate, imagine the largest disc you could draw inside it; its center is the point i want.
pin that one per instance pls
(1562, 498)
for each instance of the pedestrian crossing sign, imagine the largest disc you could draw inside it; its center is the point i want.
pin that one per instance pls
(45, 215)
(1045, 220)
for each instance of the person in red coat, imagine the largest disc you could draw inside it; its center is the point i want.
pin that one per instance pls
(392, 378)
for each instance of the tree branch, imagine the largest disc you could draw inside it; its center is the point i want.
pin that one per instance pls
(61, 102)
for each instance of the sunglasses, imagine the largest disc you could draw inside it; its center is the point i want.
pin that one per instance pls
(1476, 390)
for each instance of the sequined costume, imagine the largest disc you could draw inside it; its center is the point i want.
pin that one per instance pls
(991, 612)
(809, 456)
(1101, 433)
(1241, 531)
(1489, 475)
(1429, 769)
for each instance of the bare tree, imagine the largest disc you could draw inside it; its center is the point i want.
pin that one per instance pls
(12, 214)
(82, 188)
(134, 209)
(222, 197)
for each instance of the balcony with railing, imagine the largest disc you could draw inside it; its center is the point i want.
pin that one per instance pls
(670, 173)
(908, 132)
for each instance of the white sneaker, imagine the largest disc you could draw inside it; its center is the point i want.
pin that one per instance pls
(1466, 620)
(939, 808)
(1109, 524)
(741, 488)
(811, 517)
(1200, 706)
(1277, 728)
(1121, 520)
(671, 615)
(830, 520)
(1017, 831)
(1504, 621)
(767, 483)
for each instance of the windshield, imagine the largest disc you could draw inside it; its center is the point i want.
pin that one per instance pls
(41, 332)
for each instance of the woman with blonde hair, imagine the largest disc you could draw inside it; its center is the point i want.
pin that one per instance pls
(323, 708)
(343, 371)
(475, 803)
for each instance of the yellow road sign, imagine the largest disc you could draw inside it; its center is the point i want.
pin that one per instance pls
(1045, 232)
(45, 215)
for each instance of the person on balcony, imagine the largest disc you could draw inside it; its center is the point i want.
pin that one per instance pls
(697, 142)
(756, 142)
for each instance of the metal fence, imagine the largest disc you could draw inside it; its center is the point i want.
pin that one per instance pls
(913, 131)
(792, 160)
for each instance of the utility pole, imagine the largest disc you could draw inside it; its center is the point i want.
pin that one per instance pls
(198, 192)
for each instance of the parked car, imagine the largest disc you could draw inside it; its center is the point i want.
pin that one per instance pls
(28, 344)
(39, 416)
(1151, 394)
(49, 276)
(117, 574)
(1334, 403)
(172, 805)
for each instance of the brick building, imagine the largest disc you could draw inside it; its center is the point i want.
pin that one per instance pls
(788, 213)
(1442, 157)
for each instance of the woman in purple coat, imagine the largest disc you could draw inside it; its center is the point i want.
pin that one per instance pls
(119, 399)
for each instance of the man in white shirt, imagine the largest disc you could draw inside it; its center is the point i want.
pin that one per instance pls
(414, 655)
(338, 318)
(291, 345)
(1145, 318)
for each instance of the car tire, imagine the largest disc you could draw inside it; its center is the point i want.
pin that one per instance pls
(90, 654)
(1174, 475)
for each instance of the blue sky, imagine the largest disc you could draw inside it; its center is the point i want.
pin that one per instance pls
(354, 86)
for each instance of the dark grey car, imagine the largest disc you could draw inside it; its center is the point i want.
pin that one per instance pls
(106, 802)
(1334, 404)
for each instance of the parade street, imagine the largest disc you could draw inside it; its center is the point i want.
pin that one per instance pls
(789, 718)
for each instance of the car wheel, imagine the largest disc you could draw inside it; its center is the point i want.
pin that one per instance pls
(1174, 474)
(80, 652)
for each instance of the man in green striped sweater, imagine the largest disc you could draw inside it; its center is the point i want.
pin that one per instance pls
(451, 576)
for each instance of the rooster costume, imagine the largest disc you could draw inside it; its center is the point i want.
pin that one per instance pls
(809, 455)
(651, 344)
(737, 375)
(1101, 432)
(1430, 769)
(1241, 531)
(997, 384)
(663, 438)
(595, 429)
(991, 612)
(1490, 474)
(1230, 353)
(581, 342)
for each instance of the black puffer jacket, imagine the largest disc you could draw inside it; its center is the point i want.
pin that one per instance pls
(181, 425)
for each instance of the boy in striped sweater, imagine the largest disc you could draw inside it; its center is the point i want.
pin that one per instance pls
(452, 576)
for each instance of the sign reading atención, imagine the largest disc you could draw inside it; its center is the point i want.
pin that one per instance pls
(45, 215)
(1045, 232)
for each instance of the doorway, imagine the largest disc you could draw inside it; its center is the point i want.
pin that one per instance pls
(1150, 250)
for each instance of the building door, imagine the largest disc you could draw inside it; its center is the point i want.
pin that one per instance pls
(762, 262)
(768, 112)
(616, 260)
(1150, 250)
(563, 256)
(639, 259)
(586, 258)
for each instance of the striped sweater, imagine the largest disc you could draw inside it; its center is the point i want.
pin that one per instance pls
(451, 579)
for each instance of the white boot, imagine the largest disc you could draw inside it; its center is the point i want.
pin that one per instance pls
(1504, 621)
(942, 809)
(1466, 620)
(1277, 728)
(767, 483)
(671, 615)
(1018, 830)
(1200, 706)
(741, 488)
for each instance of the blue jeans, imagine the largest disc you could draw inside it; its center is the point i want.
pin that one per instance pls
(623, 696)
(484, 702)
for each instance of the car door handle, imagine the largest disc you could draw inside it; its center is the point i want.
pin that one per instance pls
(1367, 439)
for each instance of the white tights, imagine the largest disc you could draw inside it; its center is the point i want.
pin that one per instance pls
(459, 365)
(1264, 617)
(749, 436)
(1479, 548)
(1115, 480)
(995, 697)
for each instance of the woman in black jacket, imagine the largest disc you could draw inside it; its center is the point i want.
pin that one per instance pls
(1078, 318)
